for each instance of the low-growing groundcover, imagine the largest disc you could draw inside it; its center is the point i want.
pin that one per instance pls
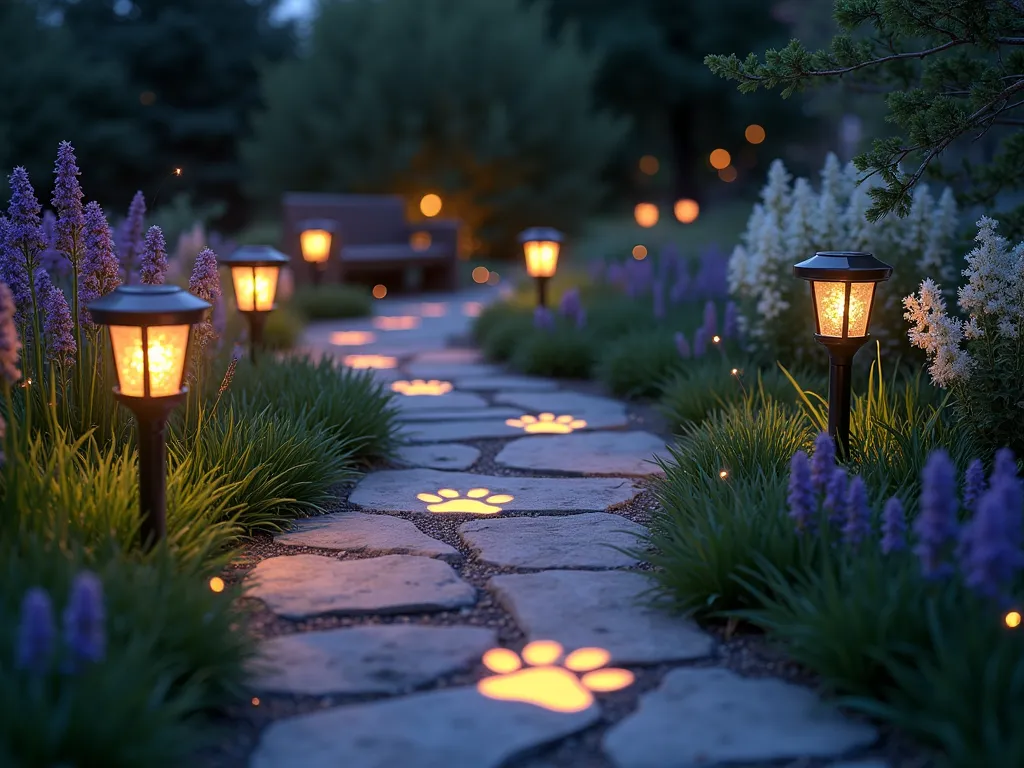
(111, 655)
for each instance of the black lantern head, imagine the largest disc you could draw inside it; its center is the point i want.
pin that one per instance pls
(843, 292)
(254, 273)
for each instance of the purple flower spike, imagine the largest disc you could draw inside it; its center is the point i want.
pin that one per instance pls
(858, 515)
(1005, 465)
(581, 318)
(974, 484)
(802, 499)
(131, 248)
(936, 525)
(58, 327)
(990, 557)
(570, 303)
(153, 268)
(731, 326)
(100, 273)
(700, 343)
(67, 201)
(36, 632)
(10, 344)
(710, 318)
(543, 320)
(84, 619)
(51, 259)
(683, 346)
(679, 290)
(836, 490)
(658, 295)
(23, 240)
(205, 283)
(824, 461)
(894, 527)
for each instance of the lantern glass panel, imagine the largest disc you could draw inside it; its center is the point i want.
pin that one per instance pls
(255, 288)
(541, 258)
(316, 245)
(167, 348)
(830, 305)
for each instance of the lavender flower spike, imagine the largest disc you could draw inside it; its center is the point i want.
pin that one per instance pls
(824, 461)
(682, 345)
(23, 242)
(543, 320)
(36, 632)
(67, 201)
(936, 525)
(581, 318)
(989, 559)
(700, 343)
(974, 484)
(731, 325)
(58, 328)
(84, 619)
(10, 344)
(205, 283)
(100, 273)
(710, 318)
(658, 296)
(1005, 465)
(802, 501)
(894, 527)
(134, 226)
(858, 515)
(153, 267)
(835, 497)
(570, 304)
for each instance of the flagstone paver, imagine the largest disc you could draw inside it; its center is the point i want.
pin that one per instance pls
(505, 382)
(449, 371)
(713, 716)
(370, 534)
(599, 608)
(449, 401)
(595, 453)
(388, 658)
(302, 586)
(568, 541)
(452, 355)
(497, 415)
(444, 456)
(441, 729)
(395, 490)
(448, 431)
(598, 412)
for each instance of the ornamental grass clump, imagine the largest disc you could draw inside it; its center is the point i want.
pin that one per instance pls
(979, 358)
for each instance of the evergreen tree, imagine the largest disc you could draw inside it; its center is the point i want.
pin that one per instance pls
(954, 72)
(466, 98)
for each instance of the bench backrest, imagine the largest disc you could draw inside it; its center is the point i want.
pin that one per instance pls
(360, 219)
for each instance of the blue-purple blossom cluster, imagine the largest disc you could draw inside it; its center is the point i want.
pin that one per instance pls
(153, 265)
(572, 309)
(543, 319)
(204, 282)
(672, 276)
(988, 550)
(84, 628)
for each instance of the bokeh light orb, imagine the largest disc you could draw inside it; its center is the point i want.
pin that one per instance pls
(380, 291)
(494, 278)
(728, 174)
(430, 205)
(687, 210)
(754, 134)
(646, 214)
(720, 159)
(639, 252)
(480, 275)
(649, 164)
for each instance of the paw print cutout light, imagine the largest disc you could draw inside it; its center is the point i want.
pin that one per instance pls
(546, 683)
(398, 323)
(547, 424)
(418, 387)
(370, 361)
(352, 338)
(478, 501)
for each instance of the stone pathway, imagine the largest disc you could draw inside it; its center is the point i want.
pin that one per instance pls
(483, 605)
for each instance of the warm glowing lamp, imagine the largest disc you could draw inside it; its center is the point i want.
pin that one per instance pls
(541, 246)
(315, 240)
(254, 272)
(150, 327)
(842, 292)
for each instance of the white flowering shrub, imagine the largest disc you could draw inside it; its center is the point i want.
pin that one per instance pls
(980, 357)
(793, 221)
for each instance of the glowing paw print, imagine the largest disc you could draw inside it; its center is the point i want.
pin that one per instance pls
(547, 423)
(451, 501)
(420, 387)
(546, 684)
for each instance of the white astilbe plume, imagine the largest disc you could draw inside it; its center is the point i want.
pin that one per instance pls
(938, 334)
(835, 180)
(914, 234)
(992, 296)
(828, 224)
(776, 193)
(800, 230)
(935, 258)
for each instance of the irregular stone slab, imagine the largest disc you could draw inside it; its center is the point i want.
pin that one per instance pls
(599, 608)
(451, 356)
(449, 371)
(598, 412)
(445, 456)
(509, 382)
(591, 453)
(370, 534)
(396, 490)
(439, 729)
(448, 431)
(450, 401)
(713, 716)
(301, 586)
(465, 414)
(570, 541)
(387, 658)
